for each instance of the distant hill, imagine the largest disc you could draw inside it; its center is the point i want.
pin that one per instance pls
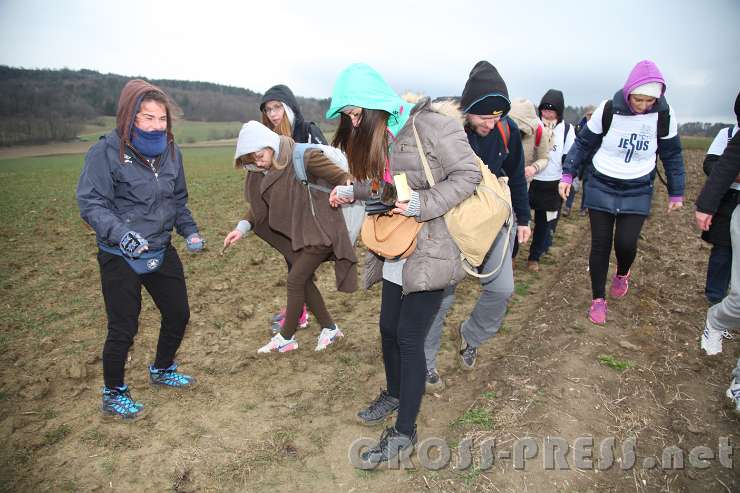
(38, 106)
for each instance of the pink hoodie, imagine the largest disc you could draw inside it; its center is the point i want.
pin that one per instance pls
(644, 72)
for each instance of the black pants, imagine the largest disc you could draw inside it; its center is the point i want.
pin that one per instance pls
(404, 323)
(122, 295)
(603, 232)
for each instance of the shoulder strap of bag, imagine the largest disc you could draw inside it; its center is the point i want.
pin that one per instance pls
(424, 163)
(664, 121)
(505, 131)
(729, 134)
(299, 166)
(538, 135)
(606, 117)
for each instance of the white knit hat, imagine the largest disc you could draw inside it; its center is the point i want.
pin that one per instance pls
(254, 136)
(652, 89)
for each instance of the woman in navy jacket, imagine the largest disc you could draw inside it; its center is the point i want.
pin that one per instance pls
(627, 132)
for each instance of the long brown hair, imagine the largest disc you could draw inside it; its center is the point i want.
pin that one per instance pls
(366, 146)
(282, 128)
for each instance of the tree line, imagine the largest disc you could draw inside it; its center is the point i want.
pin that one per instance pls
(43, 105)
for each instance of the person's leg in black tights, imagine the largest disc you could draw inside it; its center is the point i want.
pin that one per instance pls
(404, 323)
(602, 234)
(626, 234)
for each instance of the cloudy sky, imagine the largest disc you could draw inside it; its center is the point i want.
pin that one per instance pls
(585, 48)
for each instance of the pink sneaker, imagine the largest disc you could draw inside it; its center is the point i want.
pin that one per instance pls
(278, 320)
(597, 312)
(620, 285)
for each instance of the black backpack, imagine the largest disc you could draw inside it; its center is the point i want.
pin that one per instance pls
(664, 120)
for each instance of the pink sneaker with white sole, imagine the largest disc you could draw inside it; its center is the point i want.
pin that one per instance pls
(278, 320)
(597, 312)
(620, 285)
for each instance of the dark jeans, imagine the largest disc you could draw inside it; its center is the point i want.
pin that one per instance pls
(404, 323)
(718, 273)
(542, 235)
(624, 231)
(122, 296)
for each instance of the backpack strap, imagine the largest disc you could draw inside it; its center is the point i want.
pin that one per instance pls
(729, 134)
(606, 117)
(538, 136)
(299, 166)
(565, 132)
(664, 122)
(505, 132)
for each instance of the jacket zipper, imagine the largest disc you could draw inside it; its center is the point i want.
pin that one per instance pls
(150, 166)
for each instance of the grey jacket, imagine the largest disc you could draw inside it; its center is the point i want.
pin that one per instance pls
(435, 263)
(116, 197)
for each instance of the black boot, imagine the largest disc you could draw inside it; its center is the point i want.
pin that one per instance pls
(382, 407)
(392, 443)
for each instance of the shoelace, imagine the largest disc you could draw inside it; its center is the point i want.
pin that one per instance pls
(383, 442)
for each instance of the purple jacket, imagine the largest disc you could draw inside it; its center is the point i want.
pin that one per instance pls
(643, 73)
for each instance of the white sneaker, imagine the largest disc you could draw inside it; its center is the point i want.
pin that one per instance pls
(328, 337)
(711, 341)
(734, 394)
(279, 344)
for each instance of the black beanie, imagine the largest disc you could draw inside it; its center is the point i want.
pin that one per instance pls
(485, 92)
(491, 105)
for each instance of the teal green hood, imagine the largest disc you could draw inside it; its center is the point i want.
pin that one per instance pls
(362, 86)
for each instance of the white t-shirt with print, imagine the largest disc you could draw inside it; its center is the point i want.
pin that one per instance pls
(554, 169)
(629, 148)
(719, 144)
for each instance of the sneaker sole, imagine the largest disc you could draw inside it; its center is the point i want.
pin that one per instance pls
(189, 386)
(332, 342)
(111, 416)
(377, 421)
(435, 387)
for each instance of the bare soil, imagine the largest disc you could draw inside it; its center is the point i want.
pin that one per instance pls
(285, 423)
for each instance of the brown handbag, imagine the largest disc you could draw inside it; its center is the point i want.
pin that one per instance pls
(392, 236)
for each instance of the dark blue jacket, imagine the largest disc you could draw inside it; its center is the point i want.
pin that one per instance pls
(502, 163)
(617, 196)
(116, 197)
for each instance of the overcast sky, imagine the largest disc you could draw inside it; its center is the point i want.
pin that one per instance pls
(584, 48)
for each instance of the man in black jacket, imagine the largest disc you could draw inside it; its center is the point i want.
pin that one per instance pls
(726, 314)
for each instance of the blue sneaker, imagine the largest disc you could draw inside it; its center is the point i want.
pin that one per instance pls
(117, 402)
(169, 377)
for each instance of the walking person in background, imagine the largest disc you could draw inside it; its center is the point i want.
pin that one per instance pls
(718, 234)
(376, 130)
(585, 170)
(725, 315)
(543, 191)
(628, 132)
(297, 222)
(132, 192)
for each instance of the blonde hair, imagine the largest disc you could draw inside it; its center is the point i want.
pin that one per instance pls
(246, 159)
(282, 128)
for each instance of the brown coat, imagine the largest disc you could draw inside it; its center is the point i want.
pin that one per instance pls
(280, 202)
(524, 114)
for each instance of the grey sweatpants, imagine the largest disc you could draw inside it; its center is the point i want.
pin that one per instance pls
(725, 315)
(485, 320)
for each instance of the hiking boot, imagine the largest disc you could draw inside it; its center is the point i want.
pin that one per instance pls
(711, 341)
(597, 312)
(278, 344)
(566, 211)
(533, 265)
(391, 443)
(620, 285)
(467, 354)
(328, 336)
(169, 377)
(278, 320)
(434, 382)
(378, 410)
(734, 394)
(117, 403)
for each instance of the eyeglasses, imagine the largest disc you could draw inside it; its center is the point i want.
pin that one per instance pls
(273, 109)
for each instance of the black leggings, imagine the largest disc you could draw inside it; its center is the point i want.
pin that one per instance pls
(624, 236)
(122, 296)
(404, 323)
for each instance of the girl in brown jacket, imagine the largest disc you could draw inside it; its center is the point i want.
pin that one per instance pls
(299, 223)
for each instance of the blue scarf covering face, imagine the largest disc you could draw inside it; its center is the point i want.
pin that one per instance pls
(149, 144)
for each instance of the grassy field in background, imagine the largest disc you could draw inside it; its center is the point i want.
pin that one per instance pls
(186, 132)
(696, 143)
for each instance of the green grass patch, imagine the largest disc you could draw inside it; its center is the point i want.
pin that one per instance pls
(490, 395)
(521, 288)
(615, 364)
(477, 417)
(186, 132)
(696, 143)
(56, 435)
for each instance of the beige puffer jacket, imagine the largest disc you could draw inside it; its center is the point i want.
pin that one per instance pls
(524, 114)
(435, 264)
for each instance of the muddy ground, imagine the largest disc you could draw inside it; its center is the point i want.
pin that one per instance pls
(285, 423)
